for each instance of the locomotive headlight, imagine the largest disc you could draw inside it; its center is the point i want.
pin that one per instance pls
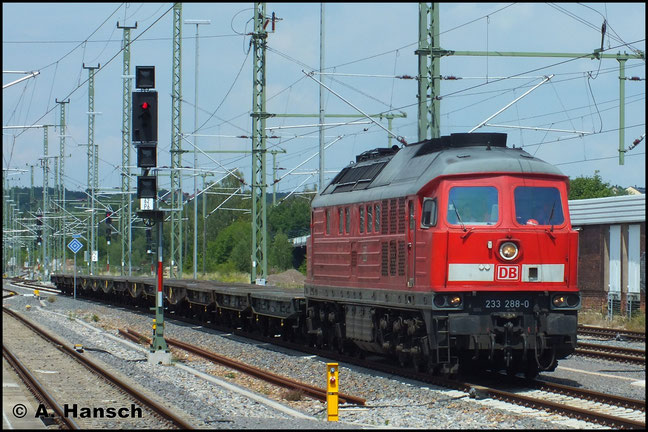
(573, 300)
(508, 251)
(448, 301)
(566, 301)
(559, 301)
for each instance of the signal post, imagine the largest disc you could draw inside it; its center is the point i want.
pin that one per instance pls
(145, 133)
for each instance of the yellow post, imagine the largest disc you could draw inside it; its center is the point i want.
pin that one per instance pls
(37, 294)
(332, 391)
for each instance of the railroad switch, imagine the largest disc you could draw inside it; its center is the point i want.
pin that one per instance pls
(78, 348)
(332, 388)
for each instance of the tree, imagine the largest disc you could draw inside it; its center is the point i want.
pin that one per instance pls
(281, 252)
(235, 237)
(291, 217)
(592, 187)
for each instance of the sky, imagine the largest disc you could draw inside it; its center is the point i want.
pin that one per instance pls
(367, 45)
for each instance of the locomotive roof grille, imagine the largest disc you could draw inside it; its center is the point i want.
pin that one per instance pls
(462, 140)
(376, 153)
(356, 177)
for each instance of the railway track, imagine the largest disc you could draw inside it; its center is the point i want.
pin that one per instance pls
(167, 417)
(618, 354)
(33, 284)
(312, 391)
(38, 390)
(610, 333)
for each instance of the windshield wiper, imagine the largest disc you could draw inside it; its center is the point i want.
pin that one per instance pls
(551, 215)
(463, 227)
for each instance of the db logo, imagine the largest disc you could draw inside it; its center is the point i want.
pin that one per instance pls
(508, 272)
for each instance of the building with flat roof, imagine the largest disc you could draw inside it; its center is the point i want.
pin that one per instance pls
(612, 252)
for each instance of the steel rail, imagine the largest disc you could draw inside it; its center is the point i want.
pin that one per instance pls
(601, 331)
(608, 348)
(37, 388)
(94, 367)
(620, 401)
(572, 411)
(618, 354)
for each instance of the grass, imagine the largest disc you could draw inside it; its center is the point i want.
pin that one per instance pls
(235, 277)
(595, 318)
(293, 395)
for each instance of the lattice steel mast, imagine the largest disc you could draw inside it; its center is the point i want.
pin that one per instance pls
(176, 146)
(62, 177)
(259, 115)
(126, 199)
(93, 159)
(429, 70)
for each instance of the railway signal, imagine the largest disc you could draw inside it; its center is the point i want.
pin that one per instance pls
(144, 77)
(145, 116)
(146, 155)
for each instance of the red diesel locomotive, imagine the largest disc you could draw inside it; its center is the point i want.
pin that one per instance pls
(455, 251)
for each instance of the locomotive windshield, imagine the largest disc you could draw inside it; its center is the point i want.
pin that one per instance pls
(472, 205)
(538, 206)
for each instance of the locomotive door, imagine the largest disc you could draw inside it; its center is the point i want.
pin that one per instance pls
(411, 244)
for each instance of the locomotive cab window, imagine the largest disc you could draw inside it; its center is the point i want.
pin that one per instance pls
(538, 206)
(472, 205)
(429, 214)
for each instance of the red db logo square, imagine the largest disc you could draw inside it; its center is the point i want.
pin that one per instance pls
(507, 272)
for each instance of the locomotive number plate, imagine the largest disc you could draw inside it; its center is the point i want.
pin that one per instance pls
(521, 303)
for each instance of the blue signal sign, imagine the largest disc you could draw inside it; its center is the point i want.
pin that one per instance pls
(75, 245)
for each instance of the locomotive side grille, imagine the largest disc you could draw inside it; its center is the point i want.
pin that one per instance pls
(384, 258)
(385, 216)
(392, 216)
(392, 258)
(402, 254)
(401, 215)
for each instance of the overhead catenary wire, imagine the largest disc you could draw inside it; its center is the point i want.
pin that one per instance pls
(102, 67)
(459, 95)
